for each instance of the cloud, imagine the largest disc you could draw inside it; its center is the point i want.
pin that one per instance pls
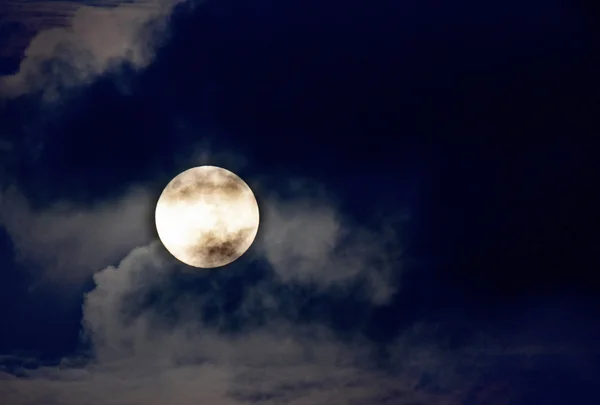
(307, 240)
(142, 356)
(69, 242)
(95, 40)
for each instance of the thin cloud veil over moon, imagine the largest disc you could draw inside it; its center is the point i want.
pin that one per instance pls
(207, 217)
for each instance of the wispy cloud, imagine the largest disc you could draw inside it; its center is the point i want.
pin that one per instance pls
(70, 241)
(307, 240)
(87, 41)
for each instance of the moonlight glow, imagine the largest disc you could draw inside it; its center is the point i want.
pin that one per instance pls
(207, 217)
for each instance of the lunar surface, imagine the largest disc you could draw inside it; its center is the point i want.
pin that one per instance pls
(207, 217)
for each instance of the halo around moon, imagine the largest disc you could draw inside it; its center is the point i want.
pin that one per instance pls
(207, 217)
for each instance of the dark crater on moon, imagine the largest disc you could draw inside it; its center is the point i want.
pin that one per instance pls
(214, 251)
(205, 183)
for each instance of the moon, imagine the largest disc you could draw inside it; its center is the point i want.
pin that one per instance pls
(207, 217)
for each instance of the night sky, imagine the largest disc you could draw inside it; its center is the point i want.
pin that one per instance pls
(428, 176)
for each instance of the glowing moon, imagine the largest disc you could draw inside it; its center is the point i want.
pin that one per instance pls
(207, 217)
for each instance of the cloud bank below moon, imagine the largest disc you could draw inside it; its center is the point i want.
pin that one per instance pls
(167, 351)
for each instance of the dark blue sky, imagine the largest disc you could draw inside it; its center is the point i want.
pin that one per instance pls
(467, 131)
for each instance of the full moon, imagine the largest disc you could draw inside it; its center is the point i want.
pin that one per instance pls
(207, 217)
